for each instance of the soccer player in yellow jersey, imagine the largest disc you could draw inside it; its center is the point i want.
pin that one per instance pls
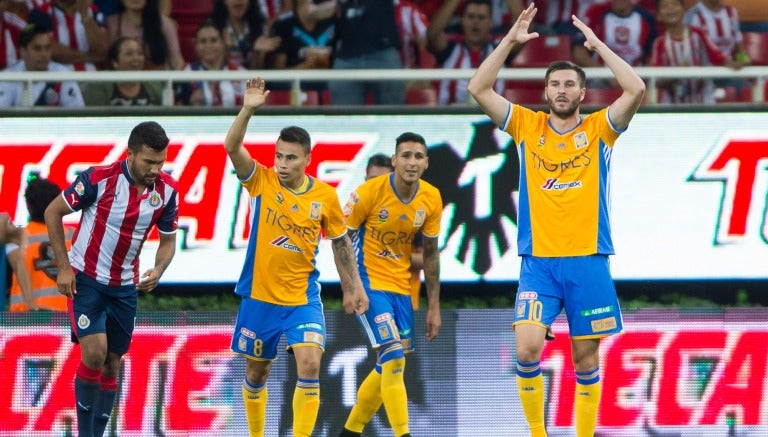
(563, 229)
(279, 281)
(383, 216)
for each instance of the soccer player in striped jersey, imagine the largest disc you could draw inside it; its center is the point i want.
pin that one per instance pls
(279, 282)
(120, 204)
(563, 228)
(384, 215)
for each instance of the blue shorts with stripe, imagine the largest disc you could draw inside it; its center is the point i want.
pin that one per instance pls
(260, 325)
(581, 285)
(102, 309)
(389, 318)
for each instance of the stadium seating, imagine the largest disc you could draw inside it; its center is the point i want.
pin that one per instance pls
(525, 95)
(730, 94)
(423, 97)
(283, 98)
(756, 44)
(540, 52)
(601, 96)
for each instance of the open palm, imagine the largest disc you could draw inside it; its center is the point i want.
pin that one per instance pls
(518, 33)
(255, 93)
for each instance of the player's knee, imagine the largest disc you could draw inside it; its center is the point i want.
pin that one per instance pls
(112, 365)
(390, 351)
(528, 353)
(309, 366)
(256, 372)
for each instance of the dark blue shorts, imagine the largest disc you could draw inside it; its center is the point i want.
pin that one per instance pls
(99, 308)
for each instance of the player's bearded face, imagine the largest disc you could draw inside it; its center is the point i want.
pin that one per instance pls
(563, 92)
(145, 165)
(410, 161)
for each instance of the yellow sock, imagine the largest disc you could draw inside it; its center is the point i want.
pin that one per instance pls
(588, 390)
(255, 400)
(306, 403)
(394, 395)
(368, 402)
(530, 387)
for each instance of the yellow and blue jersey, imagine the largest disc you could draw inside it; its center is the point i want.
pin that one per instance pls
(386, 226)
(286, 229)
(564, 180)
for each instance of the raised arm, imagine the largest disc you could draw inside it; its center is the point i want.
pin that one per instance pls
(255, 96)
(482, 82)
(355, 300)
(624, 108)
(436, 38)
(65, 280)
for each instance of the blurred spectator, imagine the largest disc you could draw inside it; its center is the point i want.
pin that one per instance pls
(34, 283)
(367, 38)
(125, 54)
(35, 47)
(626, 28)
(142, 19)
(306, 42)
(722, 25)
(554, 16)
(467, 50)
(211, 55)
(11, 26)
(684, 46)
(271, 10)
(9, 233)
(79, 35)
(412, 26)
(244, 29)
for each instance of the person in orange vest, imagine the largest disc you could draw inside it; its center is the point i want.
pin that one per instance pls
(36, 261)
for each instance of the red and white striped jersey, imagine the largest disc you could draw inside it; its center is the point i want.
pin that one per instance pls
(693, 49)
(412, 26)
(68, 30)
(270, 9)
(458, 55)
(630, 37)
(116, 220)
(722, 27)
(11, 28)
(559, 11)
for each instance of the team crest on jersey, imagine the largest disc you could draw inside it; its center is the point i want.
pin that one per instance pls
(83, 321)
(79, 189)
(315, 210)
(279, 198)
(155, 200)
(581, 140)
(418, 220)
(383, 215)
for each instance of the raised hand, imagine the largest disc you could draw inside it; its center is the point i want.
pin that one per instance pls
(255, 93)
(518, 33)
(590, 39)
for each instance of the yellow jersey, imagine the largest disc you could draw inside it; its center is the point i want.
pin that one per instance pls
(564, 180)
(286, 228)
(386, 226)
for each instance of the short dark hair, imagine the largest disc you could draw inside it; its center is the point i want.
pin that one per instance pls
(206, 24)
(379, 160)
(298, 135)
(566, 65)
(114, 49)
(38, 195)
(30, 32)
(409, 137)
(479, 2)
(150, 134)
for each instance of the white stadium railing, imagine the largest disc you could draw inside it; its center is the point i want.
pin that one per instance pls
(296, 77)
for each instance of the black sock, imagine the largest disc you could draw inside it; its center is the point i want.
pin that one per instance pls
(103, 411)
(347, 433)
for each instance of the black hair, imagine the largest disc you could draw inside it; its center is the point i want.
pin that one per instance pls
(220, 17)
(379, 160)
(38, 195)
(149, 134)
(30, 32)
(295, 134)
(566, 65)
(479, 2)
(152, 25)
(114, 49)
(206, 24)
(409, 137)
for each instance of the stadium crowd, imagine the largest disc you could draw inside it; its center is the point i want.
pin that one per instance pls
(88, 35)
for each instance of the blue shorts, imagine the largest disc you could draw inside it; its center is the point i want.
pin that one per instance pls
(260, 325)
(582, 285)
(99, 308)
(389, 318)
